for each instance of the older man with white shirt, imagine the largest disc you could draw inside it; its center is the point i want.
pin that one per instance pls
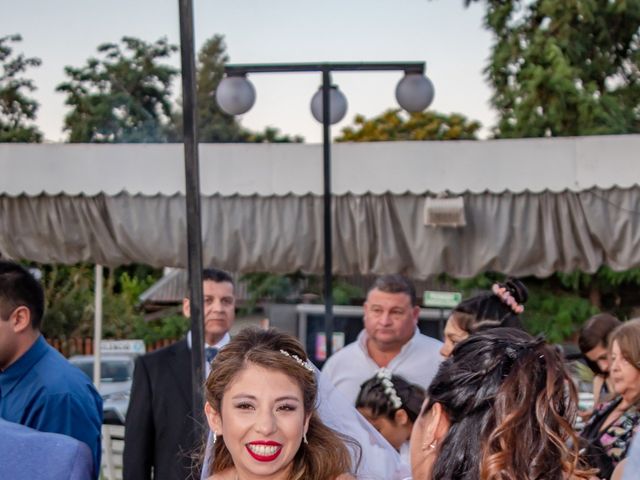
(390, 339)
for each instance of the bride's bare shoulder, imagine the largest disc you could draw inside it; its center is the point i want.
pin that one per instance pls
(345, 476)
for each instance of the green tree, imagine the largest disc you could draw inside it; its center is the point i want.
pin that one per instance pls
(214, 125)
(69, 297)
(271, 135)
(17, 110)
(396, 125)
(122, 97)
(564, 68)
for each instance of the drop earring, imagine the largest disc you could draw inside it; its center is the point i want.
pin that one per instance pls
(431, 446)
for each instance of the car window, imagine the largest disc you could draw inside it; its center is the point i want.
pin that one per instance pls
(116, 371)
(112, 370)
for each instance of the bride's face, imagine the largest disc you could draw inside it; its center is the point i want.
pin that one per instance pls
(262, 422)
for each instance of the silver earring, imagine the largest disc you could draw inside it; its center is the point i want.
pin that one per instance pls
(431, 446)
(304, 438)
(215, 437)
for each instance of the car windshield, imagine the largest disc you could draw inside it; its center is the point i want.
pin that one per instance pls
(112, 370)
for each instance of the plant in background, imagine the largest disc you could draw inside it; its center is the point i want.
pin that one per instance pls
(68, 300)
(17, 110)
(396, 125)
(124, 96)
(172, 326)
(556, 314)
(344, 293)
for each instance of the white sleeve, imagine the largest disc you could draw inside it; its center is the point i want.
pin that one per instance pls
(379, 460)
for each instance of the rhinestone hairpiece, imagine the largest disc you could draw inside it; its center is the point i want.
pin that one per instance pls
(298, 360)
(384, 375)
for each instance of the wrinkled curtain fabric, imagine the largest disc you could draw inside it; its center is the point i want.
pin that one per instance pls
(514, 233)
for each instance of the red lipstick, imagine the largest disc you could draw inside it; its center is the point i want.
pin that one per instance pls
(264, 443)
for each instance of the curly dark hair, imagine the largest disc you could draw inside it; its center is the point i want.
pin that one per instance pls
(510, 402)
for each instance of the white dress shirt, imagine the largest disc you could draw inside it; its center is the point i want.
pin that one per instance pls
(417, 362)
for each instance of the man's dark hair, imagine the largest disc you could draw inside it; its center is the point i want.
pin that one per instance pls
(19, 288)
(215, 275)
(596, 332)
(395, 284)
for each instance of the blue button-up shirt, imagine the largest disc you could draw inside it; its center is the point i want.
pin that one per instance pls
(42, 390)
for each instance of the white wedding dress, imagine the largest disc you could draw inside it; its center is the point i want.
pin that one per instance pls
(378, 461)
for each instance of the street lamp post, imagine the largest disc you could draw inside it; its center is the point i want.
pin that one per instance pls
(192, 194)
(236, 95)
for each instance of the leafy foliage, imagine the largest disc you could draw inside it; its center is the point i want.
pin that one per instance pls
(564, 68)
(292, 287)
(262, 286)
(172, 326)
(69, 295)
(122, 97)
(17, 110)
(214, 125)
(69, 300)
(558, 315)
(396, 125)
(271, 135)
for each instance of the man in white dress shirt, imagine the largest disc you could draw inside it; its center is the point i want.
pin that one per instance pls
(390, 339)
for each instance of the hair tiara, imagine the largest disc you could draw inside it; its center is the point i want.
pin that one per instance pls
(298, 360)
(507, 298)
(384, 376)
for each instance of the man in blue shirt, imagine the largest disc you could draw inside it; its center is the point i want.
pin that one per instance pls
(26, 454)
(39, 388)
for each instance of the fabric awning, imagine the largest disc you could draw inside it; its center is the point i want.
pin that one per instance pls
(533, 207)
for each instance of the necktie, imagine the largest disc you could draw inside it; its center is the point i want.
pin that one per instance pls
(210, 353)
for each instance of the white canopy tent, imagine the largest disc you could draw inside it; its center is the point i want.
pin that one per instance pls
(532, 206)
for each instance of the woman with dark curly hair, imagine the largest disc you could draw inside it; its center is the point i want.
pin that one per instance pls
(500, 408)
(501, 307)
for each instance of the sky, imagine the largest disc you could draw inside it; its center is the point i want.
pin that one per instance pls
(447, 36)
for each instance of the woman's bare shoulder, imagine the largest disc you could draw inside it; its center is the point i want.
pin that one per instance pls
(345, 476)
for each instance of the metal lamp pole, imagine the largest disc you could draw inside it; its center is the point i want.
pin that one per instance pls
(192, 191)
(326, 69)
(327, 214)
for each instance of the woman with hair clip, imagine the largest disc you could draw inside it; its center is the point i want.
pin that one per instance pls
(499, 308)
(391, 405)
(500, 408)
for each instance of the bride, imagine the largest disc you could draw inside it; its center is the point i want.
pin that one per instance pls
(261, 407)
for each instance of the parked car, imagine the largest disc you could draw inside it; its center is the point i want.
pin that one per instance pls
(115, 383)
